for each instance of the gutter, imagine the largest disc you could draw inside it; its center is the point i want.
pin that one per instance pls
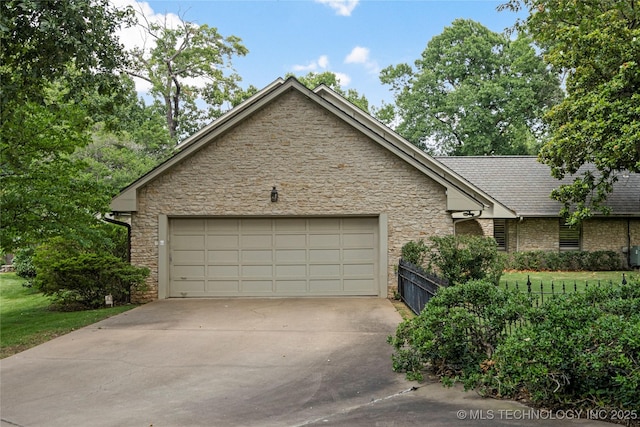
(122, 224)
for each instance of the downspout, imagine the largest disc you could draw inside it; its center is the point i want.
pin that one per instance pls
(628, 242)
(123, 224)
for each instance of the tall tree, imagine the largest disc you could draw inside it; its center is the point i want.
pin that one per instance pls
(329, 79)
(52, 52)
(597, 44)
(184, 64)
(473, 92)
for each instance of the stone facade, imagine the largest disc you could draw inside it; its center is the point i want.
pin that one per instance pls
(321, 166)
(601, 234)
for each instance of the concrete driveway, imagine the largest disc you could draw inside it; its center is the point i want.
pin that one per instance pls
(237, 362)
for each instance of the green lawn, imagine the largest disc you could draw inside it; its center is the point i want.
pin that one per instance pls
(569, 278)
(26, 321)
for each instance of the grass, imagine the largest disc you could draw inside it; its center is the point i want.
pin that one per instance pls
(26, 320)
(579, 279)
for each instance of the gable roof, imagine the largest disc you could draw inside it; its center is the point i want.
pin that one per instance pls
(462, 195)
(524, 184)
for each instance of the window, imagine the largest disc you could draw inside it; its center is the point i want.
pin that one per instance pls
(569, 237)
(500, 233)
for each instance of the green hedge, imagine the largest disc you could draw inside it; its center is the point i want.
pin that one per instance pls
(565, 261)
(575, 351)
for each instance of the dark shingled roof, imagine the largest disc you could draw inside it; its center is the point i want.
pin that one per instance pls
(523, 184)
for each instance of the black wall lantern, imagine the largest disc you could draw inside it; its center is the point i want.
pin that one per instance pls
(274, 194)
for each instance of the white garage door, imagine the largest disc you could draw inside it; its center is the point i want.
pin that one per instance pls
(273, 257)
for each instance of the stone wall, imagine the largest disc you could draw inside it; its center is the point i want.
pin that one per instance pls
(320, 165)
(601, 234)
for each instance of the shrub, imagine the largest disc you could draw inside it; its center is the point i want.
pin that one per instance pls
(74, 276)
(578, 350)
(415, 252)
(567, 261)
(457, 331)
(462, 258)
(23, 263)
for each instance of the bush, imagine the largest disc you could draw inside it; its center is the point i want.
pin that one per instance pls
(567, 261)
(23, 263)
(578, 350)
(75, 276)
(458, 331)
(415, 252)
(462, 258)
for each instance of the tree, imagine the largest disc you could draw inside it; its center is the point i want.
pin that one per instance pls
(596, 128)
(52, 53)
(177, 58)
(329, 79)
(473, 92)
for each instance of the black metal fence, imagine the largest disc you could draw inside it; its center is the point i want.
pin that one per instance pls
(415, 286)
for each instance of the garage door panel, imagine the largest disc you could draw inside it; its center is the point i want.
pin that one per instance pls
(291, 286)
(188, 242)
(291, 271)
(223, 241)
(224, 256)
(261, 256)
(291, 224)
(257, 286)
(256, 224)
(358, 240)
(291, 255)
(256, 271)
(358, 270)
(324, 240)
(359, 255)
(356, 286)
(324, 255)
(189, 257)
(190, 225)
(223, 225)
(182, 271)
(229, 287)
(324, 270)
(290, 240)
(325, 286)
(218, 271)
(257, 241)
(188, 286)
(273, 257)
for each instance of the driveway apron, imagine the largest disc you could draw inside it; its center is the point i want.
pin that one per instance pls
(232, 362)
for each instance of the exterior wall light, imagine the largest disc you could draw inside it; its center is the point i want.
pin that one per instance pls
(274, 194)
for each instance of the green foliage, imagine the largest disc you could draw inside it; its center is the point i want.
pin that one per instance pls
(462, 258)
(458, 331)
(53, 54)
(473, 92)
(23, 263)
(415, 252)
(596, 43)
(77, 278)
(184, 53)
(329, 79)
(577, 350)
(565, 261)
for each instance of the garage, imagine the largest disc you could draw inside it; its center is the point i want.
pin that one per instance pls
(331, 256)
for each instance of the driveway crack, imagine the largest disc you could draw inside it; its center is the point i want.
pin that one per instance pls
(353, 408)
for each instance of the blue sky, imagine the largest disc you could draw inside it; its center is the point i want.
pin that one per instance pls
(353, 38)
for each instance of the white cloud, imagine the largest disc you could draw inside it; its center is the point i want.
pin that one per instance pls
(322, 63)
(342, 7)
(360, 55)
(343, 78)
